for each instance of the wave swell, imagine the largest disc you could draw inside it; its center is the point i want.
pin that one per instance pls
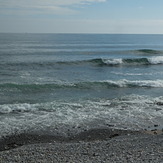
(149, 51)
(84, 85)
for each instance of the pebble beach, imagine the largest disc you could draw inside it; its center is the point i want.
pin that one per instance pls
(94, 146)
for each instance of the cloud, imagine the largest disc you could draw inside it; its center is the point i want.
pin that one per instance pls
(45, 6)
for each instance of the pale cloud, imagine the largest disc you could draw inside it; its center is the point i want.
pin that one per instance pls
(45, 6)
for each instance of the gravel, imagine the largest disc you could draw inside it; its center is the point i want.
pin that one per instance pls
(138, 148)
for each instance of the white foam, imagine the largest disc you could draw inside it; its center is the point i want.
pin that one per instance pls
(113, 61)
(119, 61)
(137, 83)
(132, 112)
(25, 74)
(148, 83)
(134, 74)
(8, 108)
(156, 60)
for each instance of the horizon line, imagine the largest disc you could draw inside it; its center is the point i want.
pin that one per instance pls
(81, 33)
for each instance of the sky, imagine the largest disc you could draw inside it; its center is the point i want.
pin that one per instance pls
(82, 16)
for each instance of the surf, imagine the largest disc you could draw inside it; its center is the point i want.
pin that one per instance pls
(123, 83)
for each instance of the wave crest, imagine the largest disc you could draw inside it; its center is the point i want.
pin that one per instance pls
(128, 61)
(106, 84)
(94, 62)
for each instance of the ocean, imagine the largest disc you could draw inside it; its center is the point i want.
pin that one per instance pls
(73, 82)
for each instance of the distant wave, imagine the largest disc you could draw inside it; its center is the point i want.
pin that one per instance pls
(106, 84)
(149, 51)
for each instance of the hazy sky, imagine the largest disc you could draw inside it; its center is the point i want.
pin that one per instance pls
(81, 16)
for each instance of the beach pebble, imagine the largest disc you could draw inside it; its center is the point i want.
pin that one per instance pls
(132, 149)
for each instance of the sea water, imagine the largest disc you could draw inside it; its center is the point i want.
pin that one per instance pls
(58, 81)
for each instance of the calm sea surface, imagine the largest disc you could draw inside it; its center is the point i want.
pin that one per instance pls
(50, 81)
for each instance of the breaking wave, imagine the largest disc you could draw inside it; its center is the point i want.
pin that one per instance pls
(129, 61)
(118, 61)
(107, 84)
(94, 62)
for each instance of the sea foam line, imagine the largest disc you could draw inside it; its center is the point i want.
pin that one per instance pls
(129, 111)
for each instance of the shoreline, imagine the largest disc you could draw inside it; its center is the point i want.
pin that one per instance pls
(94, 146)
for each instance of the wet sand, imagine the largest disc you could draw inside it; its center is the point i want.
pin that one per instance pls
(92, 146)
